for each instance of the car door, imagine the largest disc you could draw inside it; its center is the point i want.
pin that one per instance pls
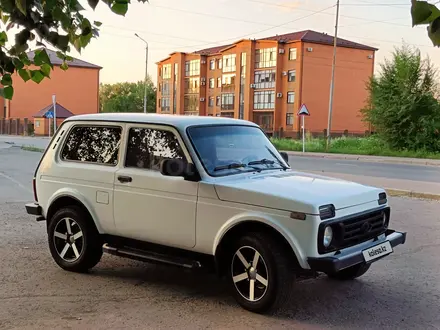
(149, 206)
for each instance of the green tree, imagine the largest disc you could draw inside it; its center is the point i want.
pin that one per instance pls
(403, 105)
(424, 13)
(59, 23)
(127, 97)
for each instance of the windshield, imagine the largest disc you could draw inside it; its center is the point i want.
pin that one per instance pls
(231, 149)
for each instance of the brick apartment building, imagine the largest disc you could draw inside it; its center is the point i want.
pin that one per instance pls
(266, 81)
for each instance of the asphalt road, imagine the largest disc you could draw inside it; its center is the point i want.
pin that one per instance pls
(380, 170)
(400, 292)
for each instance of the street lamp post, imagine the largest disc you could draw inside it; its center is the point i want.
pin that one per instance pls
(146, 71)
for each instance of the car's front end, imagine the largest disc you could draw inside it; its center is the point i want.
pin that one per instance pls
(358, 238)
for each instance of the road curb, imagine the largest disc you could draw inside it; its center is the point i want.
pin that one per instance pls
(412, 194)
(372, 159)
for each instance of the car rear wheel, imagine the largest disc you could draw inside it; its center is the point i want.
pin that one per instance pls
(260, 273)
(350, 273)
(74, 242)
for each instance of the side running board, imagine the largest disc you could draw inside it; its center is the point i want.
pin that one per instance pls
(148, 256)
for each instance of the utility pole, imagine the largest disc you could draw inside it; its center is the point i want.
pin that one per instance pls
(146, 72)
(332, 82)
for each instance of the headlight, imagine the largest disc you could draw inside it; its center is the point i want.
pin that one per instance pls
(328, 236)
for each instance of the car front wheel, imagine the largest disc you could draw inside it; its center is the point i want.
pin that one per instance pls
(74, 242)
(260, 273)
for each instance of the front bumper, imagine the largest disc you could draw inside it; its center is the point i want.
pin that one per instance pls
(35, 209)
(341, 261)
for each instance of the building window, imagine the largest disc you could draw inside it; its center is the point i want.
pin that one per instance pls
(229, 64)
(191, 103)
(93, 144)
(212, 65)
(147, 148)
(292, 54)
(192, 68)
(164, 87)
(264, 100)
(217, 101)
(289, 119)
(265, 79)
(292, 75)
(290, 97)
(160, 72)
(228, 101)
(176, 71)
(165, 104)
(192, 85)
(166, 71)
(219, 63)
(211, 83)
(265, 58)
(211, 101)
(219, 82)
(37, 123)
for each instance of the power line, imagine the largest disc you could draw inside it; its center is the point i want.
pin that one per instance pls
(264, 30)
(346, 16)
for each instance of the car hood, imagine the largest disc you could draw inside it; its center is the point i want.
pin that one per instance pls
(295, 191)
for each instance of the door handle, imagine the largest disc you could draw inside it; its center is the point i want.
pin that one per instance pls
(123, 178)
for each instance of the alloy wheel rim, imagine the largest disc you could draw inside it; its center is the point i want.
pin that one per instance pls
(249, 274)
(68, 239)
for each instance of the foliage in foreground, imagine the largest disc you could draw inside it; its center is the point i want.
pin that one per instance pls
(425, 13)
(372, 146)
(59, 23)
(127, 97)
(403, 106)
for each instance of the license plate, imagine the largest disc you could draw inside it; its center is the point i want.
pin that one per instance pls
(377, 251)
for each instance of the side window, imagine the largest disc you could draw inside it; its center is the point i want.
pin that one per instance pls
(147, 147)
(93, 144)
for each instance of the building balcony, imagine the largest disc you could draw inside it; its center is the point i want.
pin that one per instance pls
(227, 107)
(228, 88)
(191, 113)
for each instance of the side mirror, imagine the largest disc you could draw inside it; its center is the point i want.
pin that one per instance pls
(285, 156)
(179, 167)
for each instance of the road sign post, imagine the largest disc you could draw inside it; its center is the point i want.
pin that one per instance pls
(303, 112)
(54, 113)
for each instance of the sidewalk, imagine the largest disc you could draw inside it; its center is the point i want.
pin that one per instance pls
(372, 159)
(20, 141)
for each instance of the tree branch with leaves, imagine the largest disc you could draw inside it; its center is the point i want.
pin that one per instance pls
(59, 23)
(425, 13)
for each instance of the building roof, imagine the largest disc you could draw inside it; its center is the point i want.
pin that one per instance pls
(57, 61)
(62, 112)
(317, 38)
(178, 121)
(305, 36)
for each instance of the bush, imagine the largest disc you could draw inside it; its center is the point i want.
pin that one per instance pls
(403, 107)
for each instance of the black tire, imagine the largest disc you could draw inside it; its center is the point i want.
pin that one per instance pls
(88, 246)
(279, 268)
(350, 273)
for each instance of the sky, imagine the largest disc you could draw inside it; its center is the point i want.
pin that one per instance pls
(189, 25)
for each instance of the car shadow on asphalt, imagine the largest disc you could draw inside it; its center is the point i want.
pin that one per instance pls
(363, 302)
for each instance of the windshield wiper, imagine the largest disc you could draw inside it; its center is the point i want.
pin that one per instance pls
(262, 161)
(277, 160)
(229, 166)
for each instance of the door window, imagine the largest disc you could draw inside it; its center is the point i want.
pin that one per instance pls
(147, 147)
(93, 144)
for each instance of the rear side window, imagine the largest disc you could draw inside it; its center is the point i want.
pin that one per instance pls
(147, 147)
(93, 144)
